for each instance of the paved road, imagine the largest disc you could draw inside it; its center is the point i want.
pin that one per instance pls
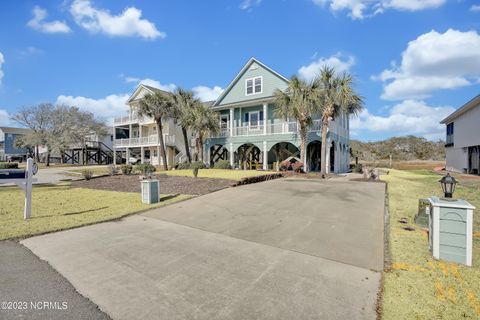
(284, 249)
(26, 279)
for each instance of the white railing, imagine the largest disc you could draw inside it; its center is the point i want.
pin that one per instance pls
(179, 158)
(134, 118)
(275, 128)
(144, 141)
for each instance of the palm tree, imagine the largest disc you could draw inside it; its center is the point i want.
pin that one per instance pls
(184, 104)
(203, 121)
(300, 101)
(157, 106)
(338, 96)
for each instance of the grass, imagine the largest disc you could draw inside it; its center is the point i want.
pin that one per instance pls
(218, 173)
(61, 207)
(418, 286)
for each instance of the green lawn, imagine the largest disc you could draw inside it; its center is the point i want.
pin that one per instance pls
(61, 207)
(419, 287)
(218, 173)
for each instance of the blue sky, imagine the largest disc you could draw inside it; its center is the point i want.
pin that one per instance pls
(415, 60)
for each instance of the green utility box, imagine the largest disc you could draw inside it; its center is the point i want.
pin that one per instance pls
(451, 229)
(150, 191)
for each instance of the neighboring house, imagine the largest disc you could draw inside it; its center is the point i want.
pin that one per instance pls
(137, 136)
(462, 146)
(95, 150)
(253, 136)
(8, 136)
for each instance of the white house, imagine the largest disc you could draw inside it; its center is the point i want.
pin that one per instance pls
(136, 136)
(463, 138)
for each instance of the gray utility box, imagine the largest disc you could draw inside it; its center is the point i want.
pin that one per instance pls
(451, 229)
(150, 191)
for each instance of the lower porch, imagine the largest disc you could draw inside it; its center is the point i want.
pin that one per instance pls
(266, 155)
(149, 154)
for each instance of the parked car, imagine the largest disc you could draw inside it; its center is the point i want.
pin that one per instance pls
(133, 160)
(15, 158)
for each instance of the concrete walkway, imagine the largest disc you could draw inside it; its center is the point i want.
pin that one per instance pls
(284, 249)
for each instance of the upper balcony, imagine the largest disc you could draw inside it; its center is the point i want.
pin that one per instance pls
(148, 141)
(131, 119)
(271, 129)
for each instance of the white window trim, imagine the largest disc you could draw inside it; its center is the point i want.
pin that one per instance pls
(258, 120)
(253, 83)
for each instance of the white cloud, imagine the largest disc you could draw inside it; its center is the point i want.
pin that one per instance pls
(128, 23)
(105, 108)
(248, 4)
(38, 22)
(337, 61)
(434, 61)
(359, 9)
(206, 93)
(170, 87)
(475, 8)
(408, 117)
(4, 118)
(2, 61)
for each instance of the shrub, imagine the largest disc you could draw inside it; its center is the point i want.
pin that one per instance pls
(195, 172)
(183, 166)
(197, 164)
(126, 169)
(145, 169)
(112, 170)
(357, 168)
(8, 165)
(222, 164)
(87, 174)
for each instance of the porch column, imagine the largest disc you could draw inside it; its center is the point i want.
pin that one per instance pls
(305, 165)
(142, 154)
(265, 154)
(130, 131)
(114, 155)
(232, 155)
(265, 113)
(231, 122)
(127, 155)
(327, 160)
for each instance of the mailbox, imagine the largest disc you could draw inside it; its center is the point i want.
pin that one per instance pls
(451, 229)
(150, 191)
(12, 174)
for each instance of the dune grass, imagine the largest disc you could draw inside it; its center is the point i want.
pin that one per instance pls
(61, 207)
(218, 173)
(418, 286)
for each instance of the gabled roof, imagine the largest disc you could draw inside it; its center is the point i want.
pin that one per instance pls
(466, 107)
(145, 87)
(239, 75)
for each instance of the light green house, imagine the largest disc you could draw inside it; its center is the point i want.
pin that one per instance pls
(252, 134)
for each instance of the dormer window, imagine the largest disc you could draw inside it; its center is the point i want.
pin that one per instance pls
(253, 85)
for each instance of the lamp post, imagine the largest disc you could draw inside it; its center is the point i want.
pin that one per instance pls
(448, 185)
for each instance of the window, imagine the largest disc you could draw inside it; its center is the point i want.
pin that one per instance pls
(449, 141)
(224, 125)
(254, 119)
(253, 85)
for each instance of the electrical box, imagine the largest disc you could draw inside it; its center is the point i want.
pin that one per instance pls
(451, 229)
(150, 191)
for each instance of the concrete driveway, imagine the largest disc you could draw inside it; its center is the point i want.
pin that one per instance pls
(284, 249)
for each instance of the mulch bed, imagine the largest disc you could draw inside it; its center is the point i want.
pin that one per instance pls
(168, 184)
